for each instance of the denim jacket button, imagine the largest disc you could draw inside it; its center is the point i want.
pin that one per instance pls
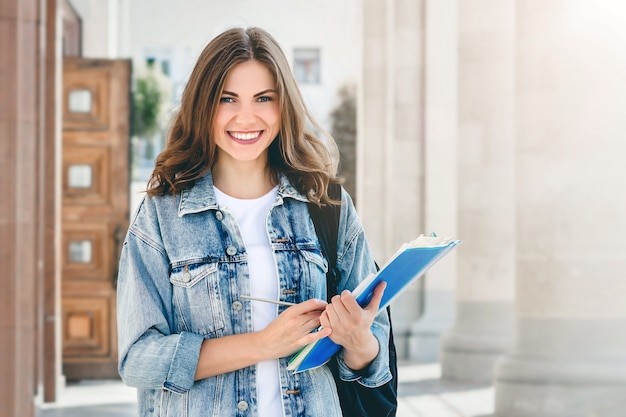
(237, 305)
(218, 215)
(231, 250)
(242, 405)
(186, 277)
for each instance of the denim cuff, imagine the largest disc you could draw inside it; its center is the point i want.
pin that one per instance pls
(376, 373)
(180, 377)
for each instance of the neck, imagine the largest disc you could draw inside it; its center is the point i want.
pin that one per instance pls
(243, 180)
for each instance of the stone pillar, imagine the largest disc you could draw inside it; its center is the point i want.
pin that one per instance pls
(440, 174)
(484, 323)
(390, 165)
(569, 359)
(19, 139)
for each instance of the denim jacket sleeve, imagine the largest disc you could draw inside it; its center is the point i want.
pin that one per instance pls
(355, 262)
(150, 355)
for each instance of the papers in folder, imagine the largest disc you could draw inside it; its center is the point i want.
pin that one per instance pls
(408, 264)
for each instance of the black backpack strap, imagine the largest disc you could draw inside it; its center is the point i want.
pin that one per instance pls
(326, 222)
(356, 400)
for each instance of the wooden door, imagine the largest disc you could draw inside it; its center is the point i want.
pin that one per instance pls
(95, 205)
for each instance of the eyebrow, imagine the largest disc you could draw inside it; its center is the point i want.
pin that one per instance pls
(269, 90)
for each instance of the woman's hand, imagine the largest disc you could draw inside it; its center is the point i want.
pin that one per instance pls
(292, 329)
(287, 333)
(350, 326)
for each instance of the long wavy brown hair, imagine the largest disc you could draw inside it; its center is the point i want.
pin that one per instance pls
(303, 151)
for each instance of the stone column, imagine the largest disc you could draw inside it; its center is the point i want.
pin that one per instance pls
(390, 165)
(569, 359)
(19, 139)
(440, 174)
(484, 323)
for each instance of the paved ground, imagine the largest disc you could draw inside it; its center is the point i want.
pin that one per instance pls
(421, 394)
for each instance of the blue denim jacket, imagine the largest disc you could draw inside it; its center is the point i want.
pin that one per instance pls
(182, 269)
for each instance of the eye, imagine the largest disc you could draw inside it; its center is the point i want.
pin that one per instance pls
(227, 100)
(264, 99)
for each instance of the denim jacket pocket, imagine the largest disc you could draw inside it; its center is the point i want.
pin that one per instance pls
(196, 297)
(316, 258)
(313, 267)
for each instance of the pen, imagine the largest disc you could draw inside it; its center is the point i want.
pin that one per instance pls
(265, 300)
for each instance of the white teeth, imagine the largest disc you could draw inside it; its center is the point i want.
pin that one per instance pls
(245, 136)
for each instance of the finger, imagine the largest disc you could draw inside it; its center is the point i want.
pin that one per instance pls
(349, 301)
(312, 304)
(324, 320)
(338, 304)
(337, 320)
(304, 307)
(313, 336)
(311, 321)
(374, 303)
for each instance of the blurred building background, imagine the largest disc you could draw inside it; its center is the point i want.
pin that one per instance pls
(498, 122)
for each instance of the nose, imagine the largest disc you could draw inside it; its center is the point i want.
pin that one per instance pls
(245, 114)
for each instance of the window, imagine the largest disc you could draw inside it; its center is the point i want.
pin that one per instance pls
(307, 65)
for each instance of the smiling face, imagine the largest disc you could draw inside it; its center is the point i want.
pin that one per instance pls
(248, 115)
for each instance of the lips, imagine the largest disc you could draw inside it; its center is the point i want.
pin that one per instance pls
(246, 136)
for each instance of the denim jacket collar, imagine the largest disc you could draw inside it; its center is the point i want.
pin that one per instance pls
(201, 197)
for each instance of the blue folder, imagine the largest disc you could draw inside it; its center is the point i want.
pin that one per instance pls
(403, 269)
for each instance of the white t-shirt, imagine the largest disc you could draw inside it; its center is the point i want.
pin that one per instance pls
(252, 218)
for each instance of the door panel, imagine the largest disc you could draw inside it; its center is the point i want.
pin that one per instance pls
(86, 101)
(86, 324)
(85, 255)
(85, 175)
(95, 204)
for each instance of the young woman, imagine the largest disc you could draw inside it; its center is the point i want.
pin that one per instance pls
(226, 217)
